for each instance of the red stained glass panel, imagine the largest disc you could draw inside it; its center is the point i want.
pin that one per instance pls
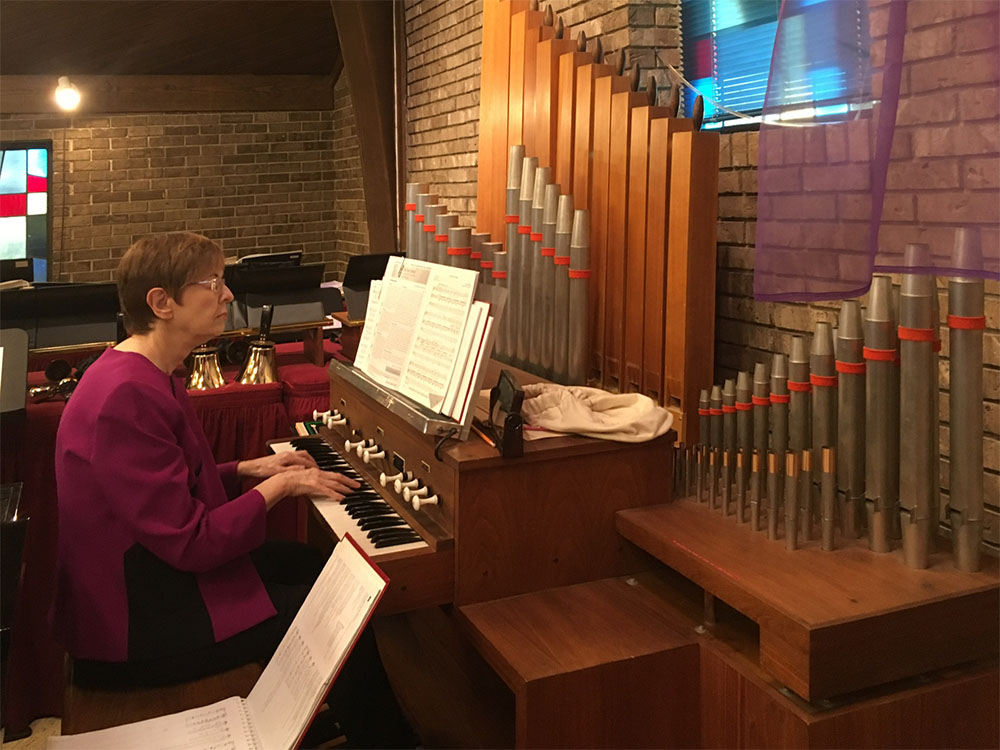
(14, 204)
(37, 184)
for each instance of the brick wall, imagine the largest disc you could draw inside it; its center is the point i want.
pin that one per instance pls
(350, 228)
(254, 181)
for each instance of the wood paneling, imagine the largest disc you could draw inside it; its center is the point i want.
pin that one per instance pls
(153, 93)
(813, 607)
(689, 350)
(524, 36)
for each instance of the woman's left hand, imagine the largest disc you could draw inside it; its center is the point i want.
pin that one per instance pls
(268, 466)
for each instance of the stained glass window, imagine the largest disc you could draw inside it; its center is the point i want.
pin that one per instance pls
(728, 46)
(25, 204)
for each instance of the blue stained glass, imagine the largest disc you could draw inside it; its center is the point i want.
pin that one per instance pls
(706, 87)
(38, 162)
(12, 237)
(41, 268)
(13, 174)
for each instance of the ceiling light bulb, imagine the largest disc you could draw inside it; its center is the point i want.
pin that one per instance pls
(67, 95)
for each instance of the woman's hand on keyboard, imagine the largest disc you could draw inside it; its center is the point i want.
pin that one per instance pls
(305, 481)
(268, 466)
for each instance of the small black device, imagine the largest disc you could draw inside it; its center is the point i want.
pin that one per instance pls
(361, 271)
(506, 424)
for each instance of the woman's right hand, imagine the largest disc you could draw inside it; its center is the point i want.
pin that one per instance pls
(305, 481)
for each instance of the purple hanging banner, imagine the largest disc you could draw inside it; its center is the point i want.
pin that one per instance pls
(880, 128)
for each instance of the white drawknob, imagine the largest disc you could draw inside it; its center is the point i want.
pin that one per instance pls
(365, 445)
(336, 418)
(368, 455)
(417, 502)
(384, 480)
(320, 416)
(349, 446)
(411, 492)
(400, 485)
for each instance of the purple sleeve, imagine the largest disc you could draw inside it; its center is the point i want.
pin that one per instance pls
(227, 472)
(148, 487)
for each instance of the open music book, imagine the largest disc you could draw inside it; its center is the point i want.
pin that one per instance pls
(278, 710)
(425, 334)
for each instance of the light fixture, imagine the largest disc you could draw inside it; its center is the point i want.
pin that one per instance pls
(67, 95)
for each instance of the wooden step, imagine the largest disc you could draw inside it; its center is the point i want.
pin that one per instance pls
(609, 663)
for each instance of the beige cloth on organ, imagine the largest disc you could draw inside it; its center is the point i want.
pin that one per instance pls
(627, 417)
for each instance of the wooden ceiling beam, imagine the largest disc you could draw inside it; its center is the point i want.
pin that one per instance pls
(121, 94)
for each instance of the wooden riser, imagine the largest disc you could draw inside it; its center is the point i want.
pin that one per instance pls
(830, 622)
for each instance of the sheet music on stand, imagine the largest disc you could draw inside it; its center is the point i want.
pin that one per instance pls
(428, 331)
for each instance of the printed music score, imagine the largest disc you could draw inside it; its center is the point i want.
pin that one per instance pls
(278, 710)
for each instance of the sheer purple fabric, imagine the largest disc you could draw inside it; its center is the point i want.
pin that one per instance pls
(880, 129)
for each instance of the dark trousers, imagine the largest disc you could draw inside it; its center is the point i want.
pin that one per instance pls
(361, 700)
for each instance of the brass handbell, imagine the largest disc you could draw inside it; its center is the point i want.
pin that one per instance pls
(205, 371)
(260, 366)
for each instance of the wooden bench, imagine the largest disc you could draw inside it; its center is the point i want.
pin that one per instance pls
(89, 709)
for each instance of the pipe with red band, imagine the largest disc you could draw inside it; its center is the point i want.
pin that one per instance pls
(489, 264)
(499, 274)
(728, 409)
(440, 238)
(916, 334)
(561, 260)
(880, 355)
(852, 368)
(535, 236)
(963, 323)
(760, 400)
(523, 229)
(548, 252)
(742, 406)
(429, 228)
(799, 387)
(823, 381)
(409, 206)
(780, 398)
(703, 412)
(508, 219)
(419, 218)
(715, 412)
(459, 250)
(476, 256)
(580, 273)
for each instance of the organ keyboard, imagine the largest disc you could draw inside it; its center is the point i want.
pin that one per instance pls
(488, 527)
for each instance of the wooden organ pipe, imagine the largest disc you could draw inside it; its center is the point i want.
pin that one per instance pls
(569, 66)
(547, 96)
(494, 104)
(604, 89)
(658, 219)
(638, 254)
(622, 105)
(583, 125)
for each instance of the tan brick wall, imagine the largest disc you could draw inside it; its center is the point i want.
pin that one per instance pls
(350, 227)
(254, 181)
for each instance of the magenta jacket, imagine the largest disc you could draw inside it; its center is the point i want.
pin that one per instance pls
(147, 530)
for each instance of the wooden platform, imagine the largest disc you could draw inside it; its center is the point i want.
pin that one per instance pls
(830, 622)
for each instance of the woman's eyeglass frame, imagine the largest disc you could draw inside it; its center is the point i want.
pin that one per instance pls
(216, 284)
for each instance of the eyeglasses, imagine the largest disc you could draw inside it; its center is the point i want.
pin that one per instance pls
(216, 284)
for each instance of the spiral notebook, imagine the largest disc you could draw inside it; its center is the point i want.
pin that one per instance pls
(292, 687)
